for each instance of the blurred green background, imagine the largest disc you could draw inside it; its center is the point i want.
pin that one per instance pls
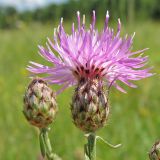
(134, 119)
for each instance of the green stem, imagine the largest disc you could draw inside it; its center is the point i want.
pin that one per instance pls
(46, 148)
(47, 144)
(90, 147)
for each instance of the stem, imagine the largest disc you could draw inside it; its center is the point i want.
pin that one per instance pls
(46, 148)
(47, 144)
(90, 147)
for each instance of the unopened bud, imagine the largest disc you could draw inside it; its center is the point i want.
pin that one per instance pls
(40, 105)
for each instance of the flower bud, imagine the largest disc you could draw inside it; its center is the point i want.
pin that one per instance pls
(154, 154)
(89, 106)
(40, 105)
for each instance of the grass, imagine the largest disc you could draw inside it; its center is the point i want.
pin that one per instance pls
(134, 120)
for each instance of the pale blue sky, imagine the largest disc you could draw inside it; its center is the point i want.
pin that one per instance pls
(28, 4)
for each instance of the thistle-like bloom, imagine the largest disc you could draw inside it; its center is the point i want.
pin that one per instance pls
(89, 54)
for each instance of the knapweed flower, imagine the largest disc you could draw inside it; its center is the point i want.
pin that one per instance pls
(39, 104)
(88, 59)
(154, 154)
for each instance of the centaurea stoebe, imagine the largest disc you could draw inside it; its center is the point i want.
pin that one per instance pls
(89, 59)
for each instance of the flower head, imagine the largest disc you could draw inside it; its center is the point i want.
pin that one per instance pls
(154, 154)
(89, 54)
(40, 106)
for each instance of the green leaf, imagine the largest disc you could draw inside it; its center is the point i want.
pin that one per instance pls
(106, 142)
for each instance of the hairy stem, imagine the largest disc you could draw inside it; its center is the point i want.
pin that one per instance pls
(45, 145)
(90, 147)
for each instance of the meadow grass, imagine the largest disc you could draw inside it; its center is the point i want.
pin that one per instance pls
(134, 120)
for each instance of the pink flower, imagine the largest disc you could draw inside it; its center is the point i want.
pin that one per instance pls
(89, 54)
